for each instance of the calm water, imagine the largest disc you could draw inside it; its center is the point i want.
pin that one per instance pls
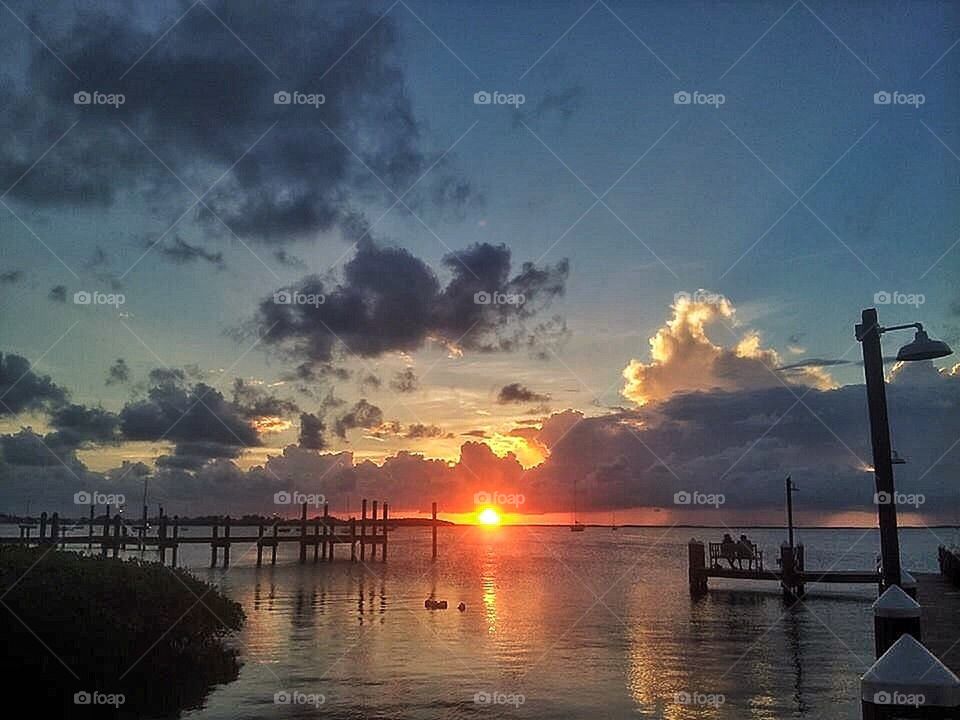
(590, 625)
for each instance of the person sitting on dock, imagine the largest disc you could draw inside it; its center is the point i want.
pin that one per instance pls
(728, 549)
(745, 551)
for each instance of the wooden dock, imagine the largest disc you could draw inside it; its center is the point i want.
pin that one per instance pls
(322, 534)
(790, 573)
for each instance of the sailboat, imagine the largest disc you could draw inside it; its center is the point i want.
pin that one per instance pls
(613, 521)
(577, 525)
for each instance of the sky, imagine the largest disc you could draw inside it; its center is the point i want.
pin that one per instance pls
(636, 269)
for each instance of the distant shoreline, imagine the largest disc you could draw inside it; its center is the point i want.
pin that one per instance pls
(426, 522)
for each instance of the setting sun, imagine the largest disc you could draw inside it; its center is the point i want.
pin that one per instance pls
(488, 516)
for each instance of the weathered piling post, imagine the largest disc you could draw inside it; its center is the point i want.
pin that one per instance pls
(226, 541)
(176, 540)
(303, 533)
(326, 531)
(894, 614)
(353, 539)
(117, 522)
(54, 528)
(43, 527)
(696, 567)
(125, 532)
(90, 528)
(273, 548)
(106, 530)
(433, 525)
(383, 553)
(363, 529)
(161, 538)
(373, 530)
(791, 567)
(213, 544)
(909, 681)
(316, 539)
(259, 544)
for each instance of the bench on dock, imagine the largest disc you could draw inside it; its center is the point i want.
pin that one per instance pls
(724, 552)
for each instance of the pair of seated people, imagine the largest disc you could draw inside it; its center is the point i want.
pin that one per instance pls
(738, 550)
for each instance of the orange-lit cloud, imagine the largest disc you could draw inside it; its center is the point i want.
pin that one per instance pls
(529, 453)
(684, 358)
(271, 424)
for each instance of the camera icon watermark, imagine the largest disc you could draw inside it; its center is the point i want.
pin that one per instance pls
(700, 296)
(498, 499)
(914, 500)
(98, 498)
(95, 297)
(683, 97)
(495, 697)
(298, 498)
(683, 497)
(895, 97)
(83, 97)
(498, 298)
(296, 697)
(98, 698)
(699, 699)
(295, 297)
(482, 97)
(283, 97)
(884, 697)
(896, 297)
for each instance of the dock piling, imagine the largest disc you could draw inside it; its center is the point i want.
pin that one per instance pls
(363, 529)
(383, 554)
(303, 533)
(697, 567)
(373, 531)
(433, 526)
(226, 542)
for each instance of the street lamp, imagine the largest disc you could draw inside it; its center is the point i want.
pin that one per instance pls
(868, 333)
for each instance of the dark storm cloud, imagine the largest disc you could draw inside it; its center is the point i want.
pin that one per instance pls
(632, 458)
(517, 393)
(118, 373)
(312, 428)
(22, 389)
(29, 449)
(200, 99)
(362, 415)
(58, 293)
(254, 401)
(11, 277)
(814, 362)
(419, 430)
(76, 425)
(200, 422)
(181, 252)
(405, 381)
(390, 300)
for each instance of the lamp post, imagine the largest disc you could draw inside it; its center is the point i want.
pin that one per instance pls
(868, 333)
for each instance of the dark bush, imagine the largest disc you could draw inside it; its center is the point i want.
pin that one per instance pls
(153, 633)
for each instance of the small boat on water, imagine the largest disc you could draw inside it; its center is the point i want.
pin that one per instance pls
(577, 526)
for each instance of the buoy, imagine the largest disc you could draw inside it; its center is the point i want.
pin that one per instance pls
(461, 607)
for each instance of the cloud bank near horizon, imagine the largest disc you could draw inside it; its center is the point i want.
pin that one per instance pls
(642, 457)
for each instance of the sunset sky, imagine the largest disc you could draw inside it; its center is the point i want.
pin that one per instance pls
(673, 285)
